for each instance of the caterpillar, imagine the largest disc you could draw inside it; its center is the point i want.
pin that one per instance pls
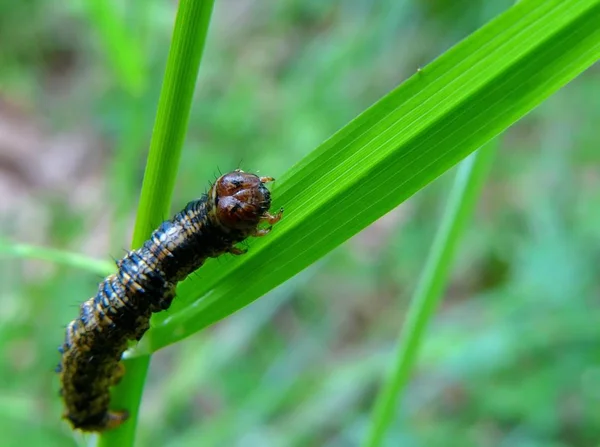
(233, 209)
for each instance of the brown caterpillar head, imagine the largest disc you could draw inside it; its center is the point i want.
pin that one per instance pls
(241, 199)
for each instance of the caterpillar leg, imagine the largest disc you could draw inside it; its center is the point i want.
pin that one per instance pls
(237, 251)
(118, 374)
(107, 421)
(271, 219)
(266, 179)
(114, 419)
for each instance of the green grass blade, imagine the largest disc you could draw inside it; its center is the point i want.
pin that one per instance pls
(66, 258)
(189, 36)
(456, 104)
(121, 47)
(172, 116)
(463, 196)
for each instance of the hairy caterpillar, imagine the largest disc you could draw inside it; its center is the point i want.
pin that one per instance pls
(232, 210)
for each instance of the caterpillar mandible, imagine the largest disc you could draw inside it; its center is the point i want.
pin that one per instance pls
(231, 211)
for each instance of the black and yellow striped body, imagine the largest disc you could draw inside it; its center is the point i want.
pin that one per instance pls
(145, 283)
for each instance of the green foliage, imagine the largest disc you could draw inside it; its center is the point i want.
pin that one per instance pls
(75, 260)
(168, 136)
(510, 359)
(466, 189)
(121, 48)
(395, 148)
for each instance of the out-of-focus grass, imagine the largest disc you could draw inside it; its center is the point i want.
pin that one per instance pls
(278, 81)
(74, 260)
(121, 45)
(461, 201)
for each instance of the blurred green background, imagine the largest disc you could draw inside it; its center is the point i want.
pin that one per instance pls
(513, 357)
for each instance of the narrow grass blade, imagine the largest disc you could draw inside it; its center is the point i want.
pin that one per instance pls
(66, 258)
(122, 48)
(463, 195)
(189, 36)
(172, 116)
(456, 104)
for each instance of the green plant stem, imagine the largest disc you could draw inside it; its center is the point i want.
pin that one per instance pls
(463, 195)
(172, 116)
(189, 36)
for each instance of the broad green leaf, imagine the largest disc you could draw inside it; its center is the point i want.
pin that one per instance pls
(429, 123)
